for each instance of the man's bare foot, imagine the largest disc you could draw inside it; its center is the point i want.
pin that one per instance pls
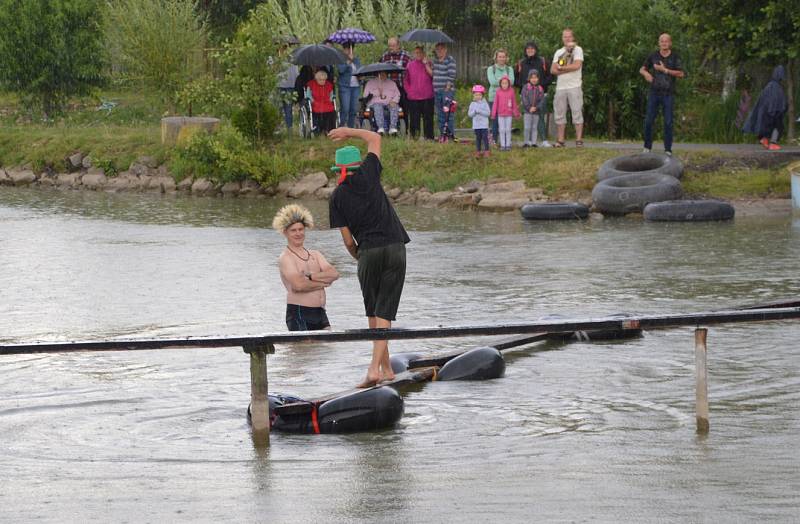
(369, 381)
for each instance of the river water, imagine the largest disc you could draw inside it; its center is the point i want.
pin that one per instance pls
(573, 432)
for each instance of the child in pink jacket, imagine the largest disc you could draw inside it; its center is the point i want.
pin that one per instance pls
(504, 109)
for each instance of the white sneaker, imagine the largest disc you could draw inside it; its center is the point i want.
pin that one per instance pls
(668, 153)
(545, 143)
(393, 131)
(645, 150)
(381, 131)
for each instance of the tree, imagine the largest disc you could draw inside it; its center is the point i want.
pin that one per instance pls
(742, 31)
(50, 50)
(157, 44)
(224, 16)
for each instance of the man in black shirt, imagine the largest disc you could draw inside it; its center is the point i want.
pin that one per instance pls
(373, 235)
(660, 70)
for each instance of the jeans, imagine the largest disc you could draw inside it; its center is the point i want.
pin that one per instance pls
(423, 109)
(666, 102)
(531, 128)
(442, 117)
(379, 110)
(348, 99)
(481, 139)
(287, 107)
(504, 125)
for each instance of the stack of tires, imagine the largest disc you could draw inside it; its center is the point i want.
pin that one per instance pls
(627, 184)
(649, 183)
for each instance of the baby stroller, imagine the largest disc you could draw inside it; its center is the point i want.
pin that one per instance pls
(449, 107)
(367, 116)
(306, 121)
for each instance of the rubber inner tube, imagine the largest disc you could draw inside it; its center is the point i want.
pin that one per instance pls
(554, 211)
(641, 163)
(482, 363)
(631, 193)
(689, 211)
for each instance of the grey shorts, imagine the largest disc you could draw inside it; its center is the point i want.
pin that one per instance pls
(382, 273)
(572, 97)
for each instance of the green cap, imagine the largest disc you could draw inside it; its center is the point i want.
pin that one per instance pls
(348, 157)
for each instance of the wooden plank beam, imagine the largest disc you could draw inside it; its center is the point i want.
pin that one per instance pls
(555, 325)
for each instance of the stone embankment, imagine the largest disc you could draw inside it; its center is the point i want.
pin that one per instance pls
(146, 176)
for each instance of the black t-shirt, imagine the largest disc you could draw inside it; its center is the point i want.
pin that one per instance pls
(663, 84)
(361, 205)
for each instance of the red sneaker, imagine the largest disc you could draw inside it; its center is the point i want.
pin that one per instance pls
(478, 154)
(487, 153)
(774, 147)
(764, 142)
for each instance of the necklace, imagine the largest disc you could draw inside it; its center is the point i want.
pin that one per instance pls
(308, 255)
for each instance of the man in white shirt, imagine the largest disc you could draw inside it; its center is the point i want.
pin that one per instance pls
(566, 67)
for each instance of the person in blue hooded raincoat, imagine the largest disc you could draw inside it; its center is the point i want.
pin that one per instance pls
(766, 118)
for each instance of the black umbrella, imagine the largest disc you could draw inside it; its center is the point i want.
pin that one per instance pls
(318, 55)
(381, 67)
(431, 36)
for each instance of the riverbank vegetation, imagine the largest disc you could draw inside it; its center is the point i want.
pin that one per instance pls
(103, 88)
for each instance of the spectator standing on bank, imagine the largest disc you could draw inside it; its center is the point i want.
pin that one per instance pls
(494, 73)
(418, 83)
(349, 87)
(444, 86)
(567, 68)
(397, 56)
(532, 100)
(479, 111)
(532, 59)
(504, 109)
(766, 118)
(660, 70)
(288, 93)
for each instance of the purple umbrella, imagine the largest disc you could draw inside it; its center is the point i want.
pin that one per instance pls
(351, 35)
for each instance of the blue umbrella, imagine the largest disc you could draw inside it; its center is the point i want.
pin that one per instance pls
(351, 35)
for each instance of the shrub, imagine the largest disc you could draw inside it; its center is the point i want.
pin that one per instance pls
(157, 44)
(225, 156)
(257, 124)
(50, 50)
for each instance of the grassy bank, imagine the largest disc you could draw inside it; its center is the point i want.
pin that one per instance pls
(116, 136)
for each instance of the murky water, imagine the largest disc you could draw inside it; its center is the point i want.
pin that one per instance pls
(578, 432)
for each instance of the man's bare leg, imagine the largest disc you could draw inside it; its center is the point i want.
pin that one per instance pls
(578, 132)
(562, 131)
(380, 363)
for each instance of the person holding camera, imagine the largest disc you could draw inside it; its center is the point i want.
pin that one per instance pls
(567, 67)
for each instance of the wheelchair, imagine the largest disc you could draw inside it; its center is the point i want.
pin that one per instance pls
(367, 116)
(306, 122)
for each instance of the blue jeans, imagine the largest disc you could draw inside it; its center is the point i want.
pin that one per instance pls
(667, 103)
(482, 139)
(442, 117)
(348, 99)
(287, 107)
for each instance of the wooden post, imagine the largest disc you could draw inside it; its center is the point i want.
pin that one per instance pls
(701, 376)
(259, 399)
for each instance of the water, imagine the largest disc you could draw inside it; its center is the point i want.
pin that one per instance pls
(578, 432)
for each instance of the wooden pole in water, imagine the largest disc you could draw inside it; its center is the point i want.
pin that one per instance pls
(701, 379)
(259, 393)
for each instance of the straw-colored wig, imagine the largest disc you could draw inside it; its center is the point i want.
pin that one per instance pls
(292, 214)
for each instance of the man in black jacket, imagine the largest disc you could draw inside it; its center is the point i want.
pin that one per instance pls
(660, 70)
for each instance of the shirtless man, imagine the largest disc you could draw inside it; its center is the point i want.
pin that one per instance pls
(304, 273)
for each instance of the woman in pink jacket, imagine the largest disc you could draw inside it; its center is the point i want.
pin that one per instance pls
(418, 83)
(384, 94)
(504, 109)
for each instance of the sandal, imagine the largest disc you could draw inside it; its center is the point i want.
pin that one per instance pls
(560, 144)
(579, 143)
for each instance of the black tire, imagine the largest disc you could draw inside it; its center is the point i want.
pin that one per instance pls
(554, 211)
(641, 163)
(631, 193)
(689, 211)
